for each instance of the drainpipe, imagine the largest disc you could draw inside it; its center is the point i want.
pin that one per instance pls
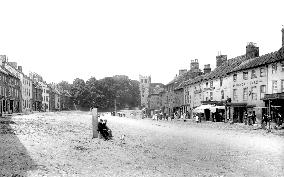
(268, 109)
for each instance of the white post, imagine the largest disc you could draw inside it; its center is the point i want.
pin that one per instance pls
(95, 122)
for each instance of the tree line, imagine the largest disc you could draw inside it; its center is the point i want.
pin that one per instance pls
(103, 93)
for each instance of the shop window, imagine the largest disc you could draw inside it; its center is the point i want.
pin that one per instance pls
(274, 86)
(262, 72)
(262, 91)
(245, 75)
(235, 77)
(253, 74)
(245, 94)
(235, 96)
(274, 68)
(253, 93)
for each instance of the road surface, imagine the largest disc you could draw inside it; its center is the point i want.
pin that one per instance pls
(60, 144)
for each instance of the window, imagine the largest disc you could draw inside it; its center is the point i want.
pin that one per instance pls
(245, 94)
(282, 85)
(206, 84)
(245, 75)
(253, 74)
(274, 68)
(235, 97)
(274, 86)
(262, 72)
(221, 81)
(211, 84)
(282, 66)
(145, 81)
(211, 96)
(234, 77)
(222, 94)
(262, 91)
(253, 93)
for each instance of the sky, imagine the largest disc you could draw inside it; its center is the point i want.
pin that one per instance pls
(68, 39)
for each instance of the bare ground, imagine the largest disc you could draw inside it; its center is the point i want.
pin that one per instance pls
(61, 144)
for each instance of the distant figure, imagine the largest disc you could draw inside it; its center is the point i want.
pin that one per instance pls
(196, 118)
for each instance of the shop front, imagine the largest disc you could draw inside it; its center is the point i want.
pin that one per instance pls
(275, 104)
(236, 112)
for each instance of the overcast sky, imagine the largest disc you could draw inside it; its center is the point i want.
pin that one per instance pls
(66, 39)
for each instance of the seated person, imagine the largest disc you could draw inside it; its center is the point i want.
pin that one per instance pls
(108, 129)
(103, 130)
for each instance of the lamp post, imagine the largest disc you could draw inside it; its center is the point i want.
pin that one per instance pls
(269, 116)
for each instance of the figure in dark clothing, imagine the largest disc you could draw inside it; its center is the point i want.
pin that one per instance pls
(108, 129)
(102, 129)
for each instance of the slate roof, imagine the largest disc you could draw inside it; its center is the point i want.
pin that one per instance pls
(256, 62)
(220, 71)
(3, 70)
(261, 60)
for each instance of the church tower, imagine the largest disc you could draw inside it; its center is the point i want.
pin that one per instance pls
(144, 86)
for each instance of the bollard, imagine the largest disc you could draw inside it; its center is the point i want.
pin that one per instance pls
(95, 122)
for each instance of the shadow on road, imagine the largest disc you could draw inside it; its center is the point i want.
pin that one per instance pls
(14, 157)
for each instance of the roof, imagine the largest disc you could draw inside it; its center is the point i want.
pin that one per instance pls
(257, 61)
(11, 71)
(227, 67)
(156, 88)
(220, 71)
(3, 70)
(262, 60)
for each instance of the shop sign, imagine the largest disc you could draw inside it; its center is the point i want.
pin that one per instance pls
(255, 82)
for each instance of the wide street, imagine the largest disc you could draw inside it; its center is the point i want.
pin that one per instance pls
(61, 144)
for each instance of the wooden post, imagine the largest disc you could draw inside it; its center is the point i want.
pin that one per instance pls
(95, 122)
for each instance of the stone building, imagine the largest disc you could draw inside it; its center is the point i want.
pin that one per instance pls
(37, 96)
(10, 89)
(26, 86)
(155, 97)
(249, 83)
(45, 90)
(144, 87)
(54, 100)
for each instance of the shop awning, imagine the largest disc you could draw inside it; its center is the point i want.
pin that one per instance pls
(201, 108)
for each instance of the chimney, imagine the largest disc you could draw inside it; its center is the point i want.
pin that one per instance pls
(194, 65)
(3, 59)
(282, 36)
(252, 50)
(182, 71)
(20, 68)
(220, 59)
(207, 69)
